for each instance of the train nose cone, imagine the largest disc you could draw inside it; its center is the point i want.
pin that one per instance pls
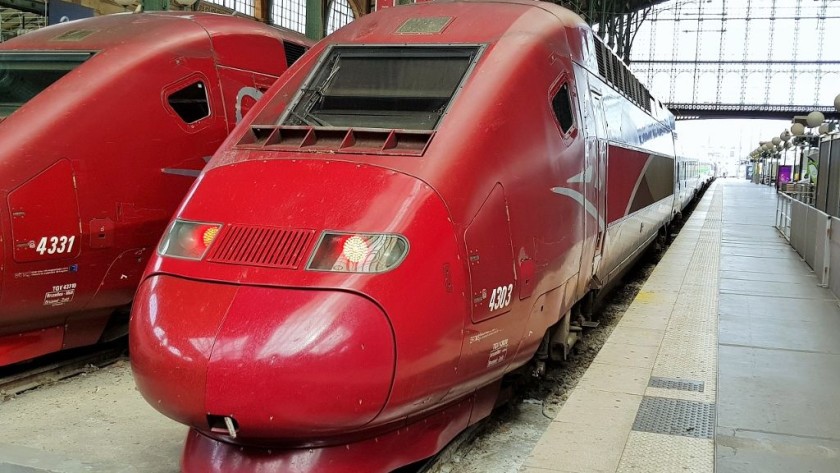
(286, 364)
(293, 362)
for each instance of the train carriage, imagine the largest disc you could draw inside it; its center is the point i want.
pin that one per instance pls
(418, 209)
(105, 123)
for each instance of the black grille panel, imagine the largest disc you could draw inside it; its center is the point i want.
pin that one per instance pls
(261, 246)
(293, 52)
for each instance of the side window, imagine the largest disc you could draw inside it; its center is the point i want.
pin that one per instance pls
(562, 105)
(190, 103)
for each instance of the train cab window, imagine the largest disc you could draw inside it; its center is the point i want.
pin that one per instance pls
(190, 103)
(25, 75)
(562, 105)
(386, 87)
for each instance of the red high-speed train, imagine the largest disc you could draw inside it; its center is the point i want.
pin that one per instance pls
(105, 123)
(419, 207)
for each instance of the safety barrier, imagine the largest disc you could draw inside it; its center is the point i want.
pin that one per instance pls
(809, 232)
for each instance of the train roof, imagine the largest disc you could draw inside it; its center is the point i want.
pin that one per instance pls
(459, 21)
(141, 30)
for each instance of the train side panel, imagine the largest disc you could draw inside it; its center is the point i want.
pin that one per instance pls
(639, 178)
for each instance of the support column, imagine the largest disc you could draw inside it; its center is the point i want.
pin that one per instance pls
(155, 5)
(315, 19)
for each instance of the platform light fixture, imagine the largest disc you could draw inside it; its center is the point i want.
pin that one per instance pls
(797, 129)
(815, 119)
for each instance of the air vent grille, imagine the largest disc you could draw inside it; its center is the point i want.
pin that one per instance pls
(293, 52)
(261, 246)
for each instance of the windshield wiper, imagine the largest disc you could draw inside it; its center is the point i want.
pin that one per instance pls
(317, 94)
(309, 119)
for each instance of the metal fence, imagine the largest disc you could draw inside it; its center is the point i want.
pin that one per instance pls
(809, 232)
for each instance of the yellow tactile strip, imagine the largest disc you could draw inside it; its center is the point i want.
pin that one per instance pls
(669, 331)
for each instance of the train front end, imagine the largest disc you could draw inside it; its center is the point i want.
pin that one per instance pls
(307, 303)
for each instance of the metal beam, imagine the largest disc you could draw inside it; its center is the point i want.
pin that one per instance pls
(32, 6)
(688, 111)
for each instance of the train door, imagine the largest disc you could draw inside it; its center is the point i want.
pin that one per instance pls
(596, 187)
(600, 177)
(591, 181)
(40, 274)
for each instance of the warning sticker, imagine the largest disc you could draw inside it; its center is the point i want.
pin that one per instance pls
(498, 353)
(60, 295)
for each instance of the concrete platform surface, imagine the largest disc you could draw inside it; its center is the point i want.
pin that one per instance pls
(728, 361)
(96, 422)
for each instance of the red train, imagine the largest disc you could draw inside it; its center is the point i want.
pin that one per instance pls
(419, 207)
(105, 123)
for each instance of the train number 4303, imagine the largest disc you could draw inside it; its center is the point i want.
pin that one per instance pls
(501, 297)
(55, 245)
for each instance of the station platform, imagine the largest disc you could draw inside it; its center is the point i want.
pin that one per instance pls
(728, 359)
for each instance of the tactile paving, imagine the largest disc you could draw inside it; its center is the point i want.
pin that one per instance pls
(673, 426)
(657, 453)
(661, 415)
(674, 383)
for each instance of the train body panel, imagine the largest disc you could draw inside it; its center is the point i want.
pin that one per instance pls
(402, 163)
(103, 135)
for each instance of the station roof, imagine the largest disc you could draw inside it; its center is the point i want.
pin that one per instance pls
(608, 6)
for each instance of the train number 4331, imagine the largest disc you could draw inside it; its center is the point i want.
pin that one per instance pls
(55, 245)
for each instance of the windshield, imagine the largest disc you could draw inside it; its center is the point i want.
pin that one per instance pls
(386, 87)
(25, 75)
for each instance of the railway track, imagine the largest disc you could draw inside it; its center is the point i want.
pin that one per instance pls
(30, 375)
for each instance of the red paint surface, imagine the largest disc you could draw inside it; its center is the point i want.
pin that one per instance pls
(623, 174)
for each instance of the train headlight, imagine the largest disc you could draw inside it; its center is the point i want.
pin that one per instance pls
(189, 240)
(358, 252)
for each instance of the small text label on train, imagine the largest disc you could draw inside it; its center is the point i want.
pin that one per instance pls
(60, 294)
(498, 353)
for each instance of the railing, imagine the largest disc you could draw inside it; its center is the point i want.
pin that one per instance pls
(809, 232)
(783, 204)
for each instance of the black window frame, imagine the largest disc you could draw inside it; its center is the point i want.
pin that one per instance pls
(197, 81)
(564, 84)
(320, 74)
(63, 61)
